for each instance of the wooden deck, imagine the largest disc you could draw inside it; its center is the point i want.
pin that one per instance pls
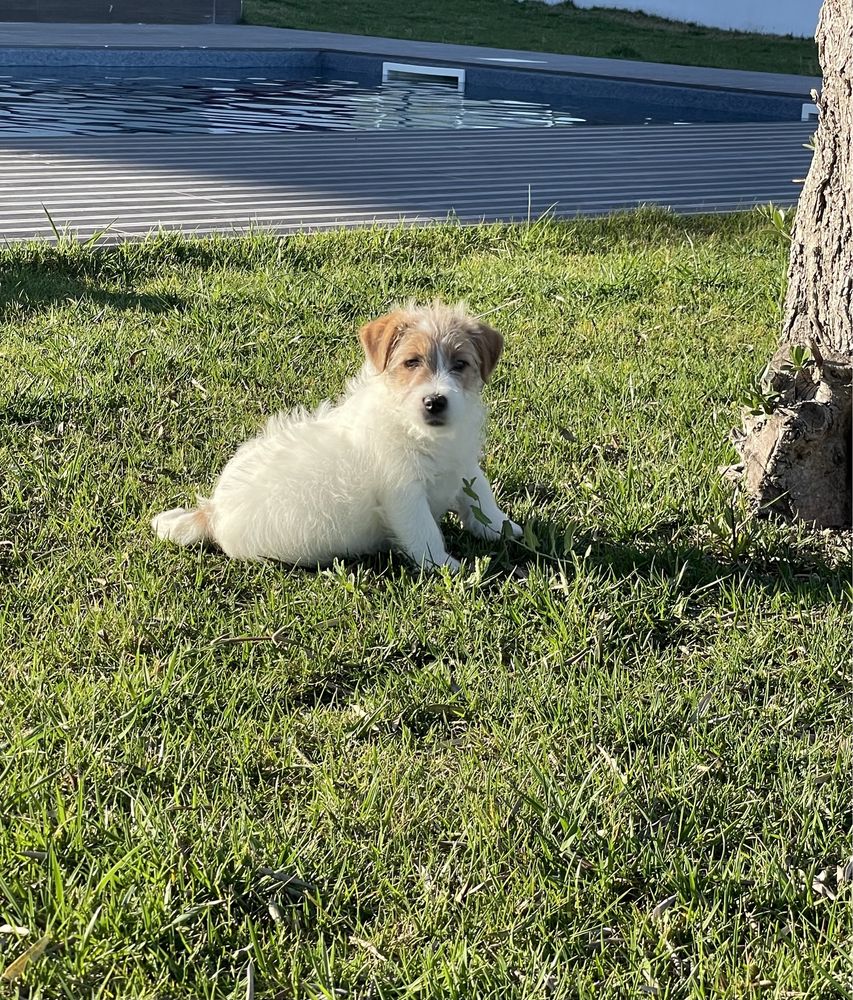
(286, 182)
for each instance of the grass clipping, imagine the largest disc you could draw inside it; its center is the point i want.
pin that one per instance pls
(17, 968)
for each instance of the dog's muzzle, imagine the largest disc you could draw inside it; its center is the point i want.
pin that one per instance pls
(435, 406)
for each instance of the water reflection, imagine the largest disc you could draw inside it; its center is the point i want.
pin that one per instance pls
(37, 104)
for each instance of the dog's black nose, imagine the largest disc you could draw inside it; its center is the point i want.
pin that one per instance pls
(435, 404)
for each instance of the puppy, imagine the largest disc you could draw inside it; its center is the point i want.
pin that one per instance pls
(376, 470)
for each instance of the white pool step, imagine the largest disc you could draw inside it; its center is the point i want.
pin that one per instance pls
(428, 74)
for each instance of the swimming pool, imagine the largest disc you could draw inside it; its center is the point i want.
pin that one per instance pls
(303, 91)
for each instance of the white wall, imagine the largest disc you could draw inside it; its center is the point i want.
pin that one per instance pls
(778, 17)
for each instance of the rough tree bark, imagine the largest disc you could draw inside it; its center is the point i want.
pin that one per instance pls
(796, 460)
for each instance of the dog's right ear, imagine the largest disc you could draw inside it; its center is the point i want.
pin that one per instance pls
(490, 344)
(380, 337)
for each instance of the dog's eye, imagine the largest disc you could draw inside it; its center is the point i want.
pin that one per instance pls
(412, 362)
(459, 365)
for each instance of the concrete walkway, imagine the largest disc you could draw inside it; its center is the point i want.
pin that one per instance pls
(300, 180)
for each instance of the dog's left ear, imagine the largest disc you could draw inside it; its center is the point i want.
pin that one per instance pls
(380, 337)
(489, 344)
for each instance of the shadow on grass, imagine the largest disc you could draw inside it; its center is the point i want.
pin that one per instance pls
(776, 557)
(649, 579)
(43, 277)
(778, 567)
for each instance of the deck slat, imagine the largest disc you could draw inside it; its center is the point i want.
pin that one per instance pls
(288, 181)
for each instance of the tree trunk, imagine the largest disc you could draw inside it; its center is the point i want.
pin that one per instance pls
(796, 451)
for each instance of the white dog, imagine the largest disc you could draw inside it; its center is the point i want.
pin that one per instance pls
(376, 470)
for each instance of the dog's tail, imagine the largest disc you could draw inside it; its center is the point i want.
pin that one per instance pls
(185, 527)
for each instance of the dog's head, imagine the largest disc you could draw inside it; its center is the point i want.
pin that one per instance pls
(433, 358)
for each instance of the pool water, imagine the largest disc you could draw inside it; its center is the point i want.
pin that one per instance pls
(37, 102)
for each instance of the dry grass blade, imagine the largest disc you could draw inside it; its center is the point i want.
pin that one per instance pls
(17, 968)
(703, 705)
(442, 710)
(250, 981)
(292, 885)
(663, 906)
(371, 949)
(614, 767)
(277, 638)
(503, 305)
(237, 640)
(820, 885)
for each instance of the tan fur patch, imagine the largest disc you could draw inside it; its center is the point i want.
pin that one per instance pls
(489, 344)
(411, 346)
(379, 337)
(418, 355)
(414, 359)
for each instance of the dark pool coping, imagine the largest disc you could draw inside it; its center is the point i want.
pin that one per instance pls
(24, 43)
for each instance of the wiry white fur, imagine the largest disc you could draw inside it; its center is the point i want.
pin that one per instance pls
(362, 475)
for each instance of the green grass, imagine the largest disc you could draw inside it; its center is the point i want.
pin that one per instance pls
(615, 768)
(528, 24)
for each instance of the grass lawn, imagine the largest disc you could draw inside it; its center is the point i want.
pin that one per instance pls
(621, 770)
(529, 24)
